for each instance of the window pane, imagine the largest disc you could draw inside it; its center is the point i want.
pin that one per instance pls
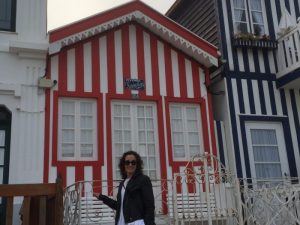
(86, 122)
(256, 5)
(257, 17)
(239, 4)
(1, 175)
(268, 170)
(68, 136)
(150, 137)
(149, 112)
(1, 156)
(140, 111)
(266, 154)
(126, 123)
(127, 147)
(194, 150)
(176, 112)
(142, 137)
(263, 137)
(68, 150)
(68, 108)
(127, 136)
(141, 124)
(86, 136)
(126, 110)
(118, 136)
(240, 15)
(151, 149)
(178, 138)
(2, 138)
(258, 29)
(191, 113)
(152, 163)
(117, 123)
(142, 150)
(192, 125)
(149, 124)
(241, 27)
(5, 14)
(179, 151)
(119, 149)
(68, 122)
(86, 150)
(177, 125)
(193, 138)
(117, 110)
(152, 174)
(86, 108)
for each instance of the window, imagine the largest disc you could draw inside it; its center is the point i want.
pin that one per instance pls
(266, 150)
(7, 15)
(134, 128)
(77, 129)
(248, 17)
(185, 131)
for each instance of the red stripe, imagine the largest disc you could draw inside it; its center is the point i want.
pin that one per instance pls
(140, 57)
(62, 70)
(154, 62)
(79, 68)
(196, 80)
(126, 56)
(109, 145)
(100, 130)
(204, 126)
(95, 66)
(62, 172)
(168, 71)
(182, 75)
(111, 70)
(79, 173)
(55, 128)
(97, 184)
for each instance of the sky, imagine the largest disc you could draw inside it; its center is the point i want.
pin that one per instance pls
(62, 12)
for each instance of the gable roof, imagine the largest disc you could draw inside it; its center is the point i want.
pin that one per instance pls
(199, 49)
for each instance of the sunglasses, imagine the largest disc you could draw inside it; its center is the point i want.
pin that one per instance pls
(127, 162)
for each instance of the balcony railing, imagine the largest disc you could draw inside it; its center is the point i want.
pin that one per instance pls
(288, 52)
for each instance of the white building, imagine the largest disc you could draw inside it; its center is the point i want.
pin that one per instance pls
(23, 51)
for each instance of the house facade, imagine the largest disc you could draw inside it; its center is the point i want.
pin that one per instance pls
(23, 50)
(127, 79)
(255, 91)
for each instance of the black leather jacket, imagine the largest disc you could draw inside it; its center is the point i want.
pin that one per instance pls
(138, 200)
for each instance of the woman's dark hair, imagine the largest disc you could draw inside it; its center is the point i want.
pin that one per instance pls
(139, 163)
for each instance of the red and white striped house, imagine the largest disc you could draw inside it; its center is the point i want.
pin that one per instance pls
(127, 79)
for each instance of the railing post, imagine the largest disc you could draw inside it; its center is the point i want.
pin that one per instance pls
(207, 189)
(79, 203)
(59, 208)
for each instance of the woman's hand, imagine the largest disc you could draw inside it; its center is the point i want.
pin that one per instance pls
(95, 194)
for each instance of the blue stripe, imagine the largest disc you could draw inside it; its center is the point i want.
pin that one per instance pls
(245, 147)
(283, 102)
(270, 20)
(295, 114)
(287, 137)
(240, 95)
(272, 97)
(275, 59)
(287, 5)
(262, 97)
(251, 97)
(296, 9)
(234, 129)
(278, 10)
(220, 141)
(246, 59)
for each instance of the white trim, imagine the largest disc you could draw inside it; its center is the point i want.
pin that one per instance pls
(175, 72)
(261, 61)
(267, 97)
(246, 96)
(189, 78)
(251, 60)
(103, 64)
(256, 97)
(277, 99)
(161, 68)
(87, 57)
(133, 52)
(70, 171)
(240, 59)
(148, 65)
(118, 62)
(228, 39)
(54, 71)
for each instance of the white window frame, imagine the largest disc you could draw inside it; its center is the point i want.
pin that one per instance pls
(134, 133)
(188, 155)
(249, 20)
(280, 141)
(77, 129)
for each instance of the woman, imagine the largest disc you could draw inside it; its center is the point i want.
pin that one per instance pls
(135, 200)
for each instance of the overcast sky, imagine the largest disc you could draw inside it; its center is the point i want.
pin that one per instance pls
(62, 12)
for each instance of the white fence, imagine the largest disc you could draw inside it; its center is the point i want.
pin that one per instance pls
(204, 194)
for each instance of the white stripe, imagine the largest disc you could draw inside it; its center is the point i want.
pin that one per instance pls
(251, 60)
(87, 56)
(118, 62)
(246, 96)
(176, 86)
(240, 59)
(261, 61)
(277, 100)
(236, 105)
(293, 13)
(88, 173)
(54, 70)
(265, 17)
(70, 175)
(104, 168)
(271, 62)
(228, 35)
(71, 70)
(103, 64)
(161, 68)
(202, 82)
(293, 128)
(267, 97)
(148, 65)
(256, 97)
(133, 52)
(189, 79)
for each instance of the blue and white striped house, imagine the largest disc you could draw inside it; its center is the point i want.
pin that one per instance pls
(257, 89)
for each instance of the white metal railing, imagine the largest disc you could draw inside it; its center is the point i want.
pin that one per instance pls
(271, 202)
(288, 58)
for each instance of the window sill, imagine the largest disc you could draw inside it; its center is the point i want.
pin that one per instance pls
(246, 43)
